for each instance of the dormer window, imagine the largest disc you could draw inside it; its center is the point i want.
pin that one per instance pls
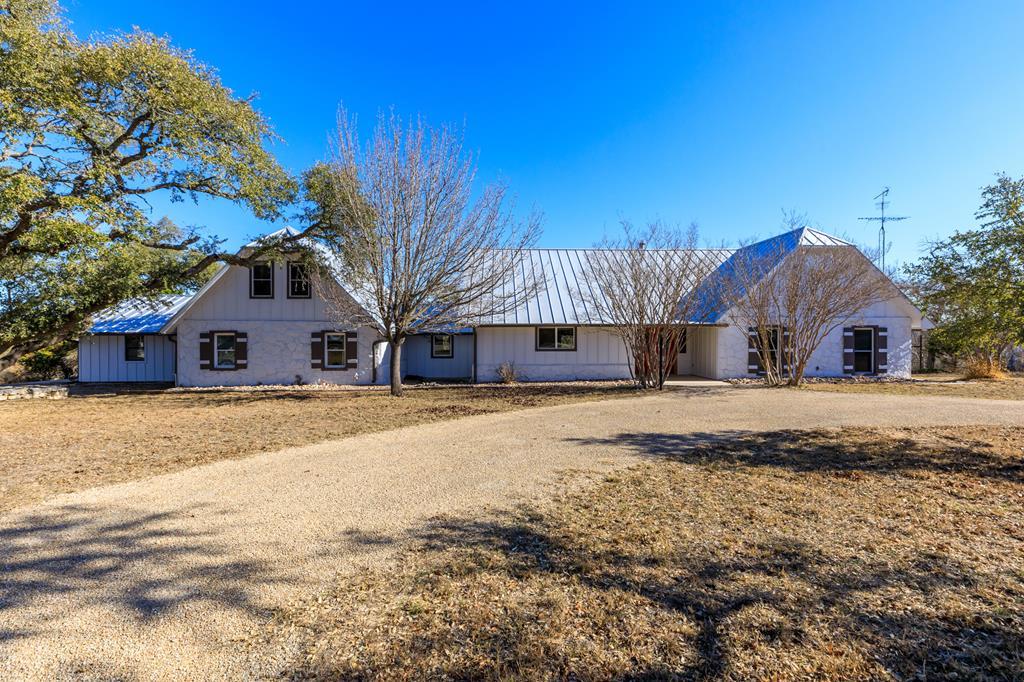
(298, 281)
(261, 280)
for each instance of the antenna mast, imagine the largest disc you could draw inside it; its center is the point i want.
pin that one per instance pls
(881, 203)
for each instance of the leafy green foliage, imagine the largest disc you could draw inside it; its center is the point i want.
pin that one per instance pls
(88, 129)
(972, 284)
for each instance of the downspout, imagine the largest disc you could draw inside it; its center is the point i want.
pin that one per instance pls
(474, 357)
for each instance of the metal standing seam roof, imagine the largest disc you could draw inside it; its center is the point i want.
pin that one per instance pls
(565, 286)
(561, 299)
(766, 254)
(138, 316)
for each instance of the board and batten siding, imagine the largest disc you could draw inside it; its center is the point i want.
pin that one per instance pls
(827, 360)
(278, 331)
(417, 362)
(599, 354)
(101, 360)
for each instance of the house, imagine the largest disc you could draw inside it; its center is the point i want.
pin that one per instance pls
(266, 325)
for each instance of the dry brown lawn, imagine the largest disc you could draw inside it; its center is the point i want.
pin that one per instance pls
(891, 554)
(950, 385)
(55, 446)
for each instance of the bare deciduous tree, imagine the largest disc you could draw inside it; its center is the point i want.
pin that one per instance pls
(794, 296)
(413, 248)
(640, 286)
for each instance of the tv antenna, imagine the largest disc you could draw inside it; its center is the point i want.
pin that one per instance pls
(881, 202)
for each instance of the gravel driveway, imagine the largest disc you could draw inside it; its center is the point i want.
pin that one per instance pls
(161, 578)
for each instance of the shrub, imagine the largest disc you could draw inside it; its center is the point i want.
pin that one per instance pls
(983, 367)
(507, 373)
(56, 362)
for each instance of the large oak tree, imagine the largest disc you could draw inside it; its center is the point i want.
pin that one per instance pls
(88, 130)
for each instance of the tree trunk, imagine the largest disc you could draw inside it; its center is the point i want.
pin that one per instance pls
(396, 366)
(14, 351)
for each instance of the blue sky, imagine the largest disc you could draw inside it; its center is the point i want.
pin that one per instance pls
(719, 113)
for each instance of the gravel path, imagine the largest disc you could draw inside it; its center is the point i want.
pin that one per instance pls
(160, 578)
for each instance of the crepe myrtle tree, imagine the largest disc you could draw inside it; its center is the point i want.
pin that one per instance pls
(413, 247)
(640, 284)
(793, 298)
(88, 130)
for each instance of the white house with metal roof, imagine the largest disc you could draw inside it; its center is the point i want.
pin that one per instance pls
(266, 325)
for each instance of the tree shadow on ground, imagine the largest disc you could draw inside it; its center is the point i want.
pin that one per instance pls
(142, 564)
(607, 586)
(820, 450)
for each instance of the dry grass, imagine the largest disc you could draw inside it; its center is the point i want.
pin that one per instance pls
(950, 385)
(54, 446)
(782, 556)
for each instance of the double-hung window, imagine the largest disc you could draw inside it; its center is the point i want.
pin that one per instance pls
(224, 351)
(261, 280)
(441, 346)
(298, 281)
(863, 350)
(334, 350)
(556, 338)
(134, 348)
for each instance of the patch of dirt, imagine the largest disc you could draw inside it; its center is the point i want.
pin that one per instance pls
(50, 447)
(855, 555)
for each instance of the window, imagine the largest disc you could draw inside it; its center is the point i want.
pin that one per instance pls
(556, 338)
(864, 349)
(261, 280)
(334, 350)
(224, 351)
(768, 347)
(134, 348)
(442, 346)
(298, 282)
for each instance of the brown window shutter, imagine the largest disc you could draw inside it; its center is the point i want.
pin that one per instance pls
(241, 350)
(847, 350)
(316, 350)
(881, 350)
(351, 350)
(205, 351)
(754, 365)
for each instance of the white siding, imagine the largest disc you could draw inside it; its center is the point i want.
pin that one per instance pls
(703, 342)
(101, 359)
(278, 353)
(827, 361)
(599, 354)
(416, 360)
(278, 329)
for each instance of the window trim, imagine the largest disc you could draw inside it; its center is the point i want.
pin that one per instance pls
(142, 347)
(870, 352)
(556, 349)
(215, 364)
(252, 279)
(344, 350)
(309, 284)
(451, 347)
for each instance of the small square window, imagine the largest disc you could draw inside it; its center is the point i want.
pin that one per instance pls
(134, 348)
(441, 346)
(556, 338)
(298, 281)
(334, 350)
(224, 351)
(261, 280)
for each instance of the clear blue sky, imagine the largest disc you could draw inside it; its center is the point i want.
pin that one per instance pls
(720, 113)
